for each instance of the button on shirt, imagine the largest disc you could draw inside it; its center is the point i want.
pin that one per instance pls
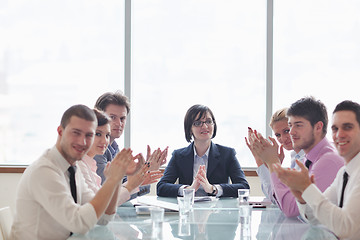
(323, 208)
(45, 208)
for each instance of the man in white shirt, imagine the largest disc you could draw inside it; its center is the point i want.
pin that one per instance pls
(337, 208)
(46, 206)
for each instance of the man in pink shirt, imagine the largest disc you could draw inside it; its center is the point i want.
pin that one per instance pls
(308, 126)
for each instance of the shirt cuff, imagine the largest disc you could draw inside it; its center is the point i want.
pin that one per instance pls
(220, 190)
(105, 219)
(180, 191)
(264, 173)
(302, 209)
(89, 215)
(312, 195)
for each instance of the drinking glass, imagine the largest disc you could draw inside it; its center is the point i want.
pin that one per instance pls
(157, 218)
(184, 207)
(189, 195)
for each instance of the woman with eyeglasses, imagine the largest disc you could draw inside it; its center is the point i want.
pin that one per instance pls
(203, 165)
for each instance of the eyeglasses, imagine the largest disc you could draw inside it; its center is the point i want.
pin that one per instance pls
(208, 123)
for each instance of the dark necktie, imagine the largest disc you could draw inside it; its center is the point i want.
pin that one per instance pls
(72, 170)
(345, 180)
(308, 163)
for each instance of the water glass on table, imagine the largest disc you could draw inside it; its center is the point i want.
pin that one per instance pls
(184, 227)
(189, 195)
(184, 207)
(243, 202)
(157, 218)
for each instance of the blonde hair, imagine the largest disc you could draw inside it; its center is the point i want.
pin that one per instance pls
(279, 115)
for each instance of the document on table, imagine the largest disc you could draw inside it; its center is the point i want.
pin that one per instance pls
(204, 199)
(152, 201)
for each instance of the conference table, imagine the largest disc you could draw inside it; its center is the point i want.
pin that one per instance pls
(216, 219)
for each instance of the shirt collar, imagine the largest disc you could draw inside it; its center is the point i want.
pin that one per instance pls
(353, 165)
(300, 155)
(206, 153)
(58, 159)
(113, 148)
(313, 155)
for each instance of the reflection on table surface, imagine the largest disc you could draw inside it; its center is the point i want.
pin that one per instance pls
(218, 219)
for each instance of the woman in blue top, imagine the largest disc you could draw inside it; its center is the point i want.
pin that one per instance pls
(203, 165)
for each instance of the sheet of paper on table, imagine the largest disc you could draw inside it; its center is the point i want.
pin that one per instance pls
(143, 204)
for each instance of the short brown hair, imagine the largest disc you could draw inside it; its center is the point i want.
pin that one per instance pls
(311, 109)
(102, 117)
(116, 98)
(80, 111)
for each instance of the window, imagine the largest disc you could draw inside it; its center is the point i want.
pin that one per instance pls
(316, 51)
(197, 52)
(53, 54)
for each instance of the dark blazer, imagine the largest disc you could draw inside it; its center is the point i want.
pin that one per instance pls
(222, 166)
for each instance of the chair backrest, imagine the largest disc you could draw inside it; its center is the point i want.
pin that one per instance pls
(6, 220)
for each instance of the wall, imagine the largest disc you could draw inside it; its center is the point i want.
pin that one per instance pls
(8, 186)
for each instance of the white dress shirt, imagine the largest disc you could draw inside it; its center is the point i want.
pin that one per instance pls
(323, 207)
(45, 208)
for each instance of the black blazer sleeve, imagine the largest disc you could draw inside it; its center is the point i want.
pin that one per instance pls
(231, 168)
(179, 167)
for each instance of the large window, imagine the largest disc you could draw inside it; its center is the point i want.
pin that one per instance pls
(198, 52)
(316, 51)
(53, 54)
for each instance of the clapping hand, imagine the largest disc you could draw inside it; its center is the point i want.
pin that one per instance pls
(252, 137)
(135, 165)
(119, 165)
(268, 151)
(152, 177)
(195, 184)
(202, 179)
(296, 180)
(157, 158)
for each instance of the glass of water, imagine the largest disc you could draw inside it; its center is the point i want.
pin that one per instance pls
(243, 202)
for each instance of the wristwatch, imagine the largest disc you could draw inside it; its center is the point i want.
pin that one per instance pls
(214, 190)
